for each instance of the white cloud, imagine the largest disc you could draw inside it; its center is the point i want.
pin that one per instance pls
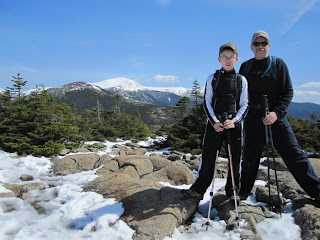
(163, 3)
(165, 79)
(306, 96)
(311, 85)
(305, 6)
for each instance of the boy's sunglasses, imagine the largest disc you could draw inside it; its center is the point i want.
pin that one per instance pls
(256, 44)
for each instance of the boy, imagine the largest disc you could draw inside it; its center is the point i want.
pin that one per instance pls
(225, 92)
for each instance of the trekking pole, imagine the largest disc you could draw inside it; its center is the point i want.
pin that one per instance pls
(266, 112)
(225, 117)
(212, 188)
(269, 142)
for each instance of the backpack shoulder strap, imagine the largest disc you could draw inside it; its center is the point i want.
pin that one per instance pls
(247, 66)
(215, 81)
(274, 68)
(238, 89)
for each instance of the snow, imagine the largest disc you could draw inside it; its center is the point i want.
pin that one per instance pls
(124, 83)
(71, 214)
(132, 85)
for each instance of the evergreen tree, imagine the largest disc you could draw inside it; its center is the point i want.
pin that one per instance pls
(18, 84)
(37, 125)
(181, 108)
(187, 132)
(196, 94)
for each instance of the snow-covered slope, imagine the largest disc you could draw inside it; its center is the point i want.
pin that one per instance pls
(126, 84)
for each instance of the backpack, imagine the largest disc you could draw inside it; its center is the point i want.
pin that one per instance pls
(238, 86)
(272, 67)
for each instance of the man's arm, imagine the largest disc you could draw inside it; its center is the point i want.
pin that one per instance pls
(286, 93)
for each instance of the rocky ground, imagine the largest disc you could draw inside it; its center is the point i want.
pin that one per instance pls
(154, 211)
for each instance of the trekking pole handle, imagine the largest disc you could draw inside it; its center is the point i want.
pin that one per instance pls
(265, 104)
(268, 132)
(224, 118)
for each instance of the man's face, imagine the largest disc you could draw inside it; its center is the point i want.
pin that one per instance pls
(260, 47)
(228, 59)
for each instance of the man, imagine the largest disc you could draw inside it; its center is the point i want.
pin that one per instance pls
(270, 76)
(225, 92)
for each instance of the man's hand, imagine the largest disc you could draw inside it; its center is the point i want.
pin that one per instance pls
(218, 127)
(270, 118)
(227, 124)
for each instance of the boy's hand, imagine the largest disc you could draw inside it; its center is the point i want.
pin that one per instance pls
(227, 124)
(218, 127)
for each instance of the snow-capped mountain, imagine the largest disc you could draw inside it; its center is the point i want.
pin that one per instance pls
(75, 86)
(131, 89)
(126, 84)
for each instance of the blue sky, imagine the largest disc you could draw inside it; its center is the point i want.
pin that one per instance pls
(158, 43)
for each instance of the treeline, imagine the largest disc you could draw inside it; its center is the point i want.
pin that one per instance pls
(36, 124)
(187, 132)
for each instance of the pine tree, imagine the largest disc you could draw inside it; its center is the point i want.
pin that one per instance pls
(18, 85)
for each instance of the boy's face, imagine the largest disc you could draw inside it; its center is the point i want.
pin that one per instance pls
(228, 59)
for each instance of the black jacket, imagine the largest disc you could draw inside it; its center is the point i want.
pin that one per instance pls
(279, 91)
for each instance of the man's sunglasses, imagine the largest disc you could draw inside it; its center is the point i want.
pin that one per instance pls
(257, 44)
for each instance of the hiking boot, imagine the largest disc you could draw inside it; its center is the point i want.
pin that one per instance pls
(243, 197)
(189, 193)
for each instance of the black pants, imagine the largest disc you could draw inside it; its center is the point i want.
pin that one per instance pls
(286, 143)
(212, 142)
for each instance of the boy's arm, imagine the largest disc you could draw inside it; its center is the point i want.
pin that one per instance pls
(207, 103)
(244, 102)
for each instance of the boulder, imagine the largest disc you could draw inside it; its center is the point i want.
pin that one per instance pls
(136, 151)
(74, 163)
(151, 210)
(308, 218)
(26, 177)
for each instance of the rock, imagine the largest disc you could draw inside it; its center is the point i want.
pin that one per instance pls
(152, 211)
(159, 162)
(161, 212)
(251, 214)
(64, 152)
(74, 163)
(262, 195)
(143, 166)
(26, 177)
(93, 149)
(21, 191)
(174, 157)
(81, 150)
(175, 173)
(15, 188)
(112, 165)
(133, 145)
(119, 146)
(136, 151)
(7, 195)
(308, 218)
(130, 171)
(103, 171)
(32, 186)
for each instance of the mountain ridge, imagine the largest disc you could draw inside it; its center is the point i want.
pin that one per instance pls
(133, 92)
